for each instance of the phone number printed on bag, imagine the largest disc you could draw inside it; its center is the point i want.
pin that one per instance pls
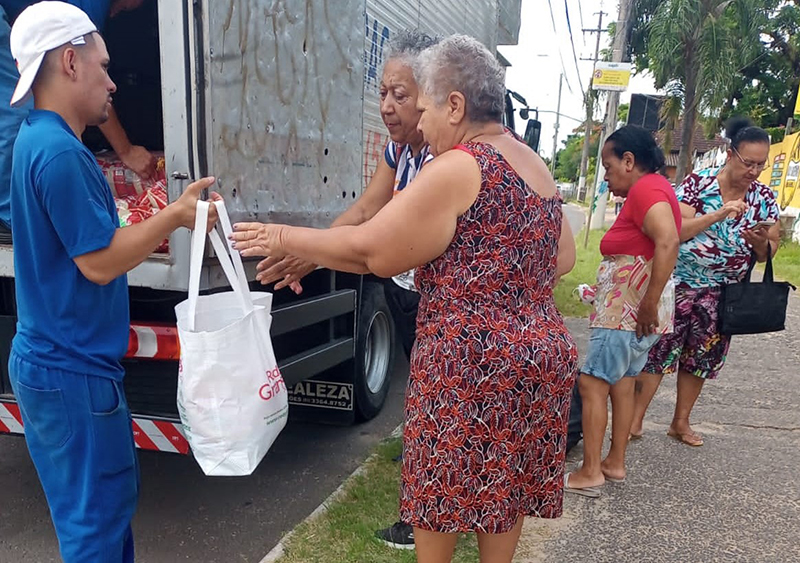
(322, 394)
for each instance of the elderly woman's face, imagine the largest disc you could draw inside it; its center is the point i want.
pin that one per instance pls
(433, 124)
(398, 93)
(747, 162)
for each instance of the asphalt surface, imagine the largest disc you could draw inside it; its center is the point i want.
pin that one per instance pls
(185, 516)
(736, 498)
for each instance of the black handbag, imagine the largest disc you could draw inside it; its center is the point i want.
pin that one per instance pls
(753, 308)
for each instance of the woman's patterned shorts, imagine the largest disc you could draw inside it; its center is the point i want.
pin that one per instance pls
(695, 346)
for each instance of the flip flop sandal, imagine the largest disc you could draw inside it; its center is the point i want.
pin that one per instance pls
(588, 492)
(681, 437)
(613, 479)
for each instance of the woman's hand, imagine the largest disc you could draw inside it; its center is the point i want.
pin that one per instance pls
(757, 238)
(647, 318)
(258, 239)
(730, 210)
(286, 271)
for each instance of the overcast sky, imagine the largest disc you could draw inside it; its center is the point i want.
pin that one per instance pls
(536, 62)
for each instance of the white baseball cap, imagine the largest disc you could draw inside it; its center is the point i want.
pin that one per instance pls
(40, 28)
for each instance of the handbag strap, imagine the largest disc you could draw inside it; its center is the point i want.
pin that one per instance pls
(768, 270)
(768, 277)
(229, 259)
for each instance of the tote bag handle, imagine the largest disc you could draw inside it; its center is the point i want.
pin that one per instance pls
(229, 259)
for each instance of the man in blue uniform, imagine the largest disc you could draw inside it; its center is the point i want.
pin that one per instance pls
(134, 157)
(70, 260)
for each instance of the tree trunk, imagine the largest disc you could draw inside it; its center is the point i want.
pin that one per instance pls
(690, 102)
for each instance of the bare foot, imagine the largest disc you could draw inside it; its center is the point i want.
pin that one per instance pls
(613, 472)
(581, 479)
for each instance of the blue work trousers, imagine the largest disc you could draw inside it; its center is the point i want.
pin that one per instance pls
(78, 431)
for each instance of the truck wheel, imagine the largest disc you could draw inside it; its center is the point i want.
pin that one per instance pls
(374, 352)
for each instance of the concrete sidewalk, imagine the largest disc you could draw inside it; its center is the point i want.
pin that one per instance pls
(737, 498)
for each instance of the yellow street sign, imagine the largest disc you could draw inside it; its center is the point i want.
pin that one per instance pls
(611, 76)
(797, 105)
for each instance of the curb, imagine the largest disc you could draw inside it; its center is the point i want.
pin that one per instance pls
(278, 551)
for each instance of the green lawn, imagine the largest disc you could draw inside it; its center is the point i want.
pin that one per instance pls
(344, 533)
(576, 201)
(585, 271)
(787, 263)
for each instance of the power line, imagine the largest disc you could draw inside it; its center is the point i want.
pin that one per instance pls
(580, 13)
(754, 61)
(572, 41)
(560, 56)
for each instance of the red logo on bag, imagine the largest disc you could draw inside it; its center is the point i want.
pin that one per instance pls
(273, 385)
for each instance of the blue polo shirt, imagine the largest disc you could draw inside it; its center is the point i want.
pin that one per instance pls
(10, 118)
(61, 208)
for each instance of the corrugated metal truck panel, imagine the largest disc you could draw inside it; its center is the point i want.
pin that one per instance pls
(284, 110)
(508, 21)
(383, 19)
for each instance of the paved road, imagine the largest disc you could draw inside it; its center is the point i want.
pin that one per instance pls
(185, 516)
(737, 498)
(576, 216)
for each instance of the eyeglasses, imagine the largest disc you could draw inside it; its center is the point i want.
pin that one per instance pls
(757, 166)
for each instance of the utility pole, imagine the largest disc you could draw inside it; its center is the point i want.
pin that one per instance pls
(558, 116)
(588, 130)
(618, 54)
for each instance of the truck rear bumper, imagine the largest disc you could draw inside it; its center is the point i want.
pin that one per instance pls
(150, 433)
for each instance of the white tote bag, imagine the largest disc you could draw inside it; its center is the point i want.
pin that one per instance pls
(231, 397)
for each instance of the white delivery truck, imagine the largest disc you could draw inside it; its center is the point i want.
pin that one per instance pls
(279, 100)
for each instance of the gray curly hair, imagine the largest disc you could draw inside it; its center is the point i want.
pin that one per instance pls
(407, 44)
(462, 63)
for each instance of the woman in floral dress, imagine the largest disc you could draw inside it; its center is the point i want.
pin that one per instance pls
(493, 365)
(725, 220)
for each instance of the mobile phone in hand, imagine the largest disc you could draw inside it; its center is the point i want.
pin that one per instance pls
(764, 224)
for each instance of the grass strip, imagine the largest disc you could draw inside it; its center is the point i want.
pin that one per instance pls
(345, 532)
(786, 264)
(585, 271)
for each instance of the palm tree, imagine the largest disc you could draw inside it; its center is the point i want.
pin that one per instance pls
(694, 48)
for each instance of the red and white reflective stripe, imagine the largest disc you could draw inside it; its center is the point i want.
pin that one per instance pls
(155, 342)
(10, 419)
(159, 435)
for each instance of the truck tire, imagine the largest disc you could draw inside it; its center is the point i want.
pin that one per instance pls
(375, 349)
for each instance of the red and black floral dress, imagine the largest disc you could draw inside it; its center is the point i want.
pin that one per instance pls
(493, 366)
